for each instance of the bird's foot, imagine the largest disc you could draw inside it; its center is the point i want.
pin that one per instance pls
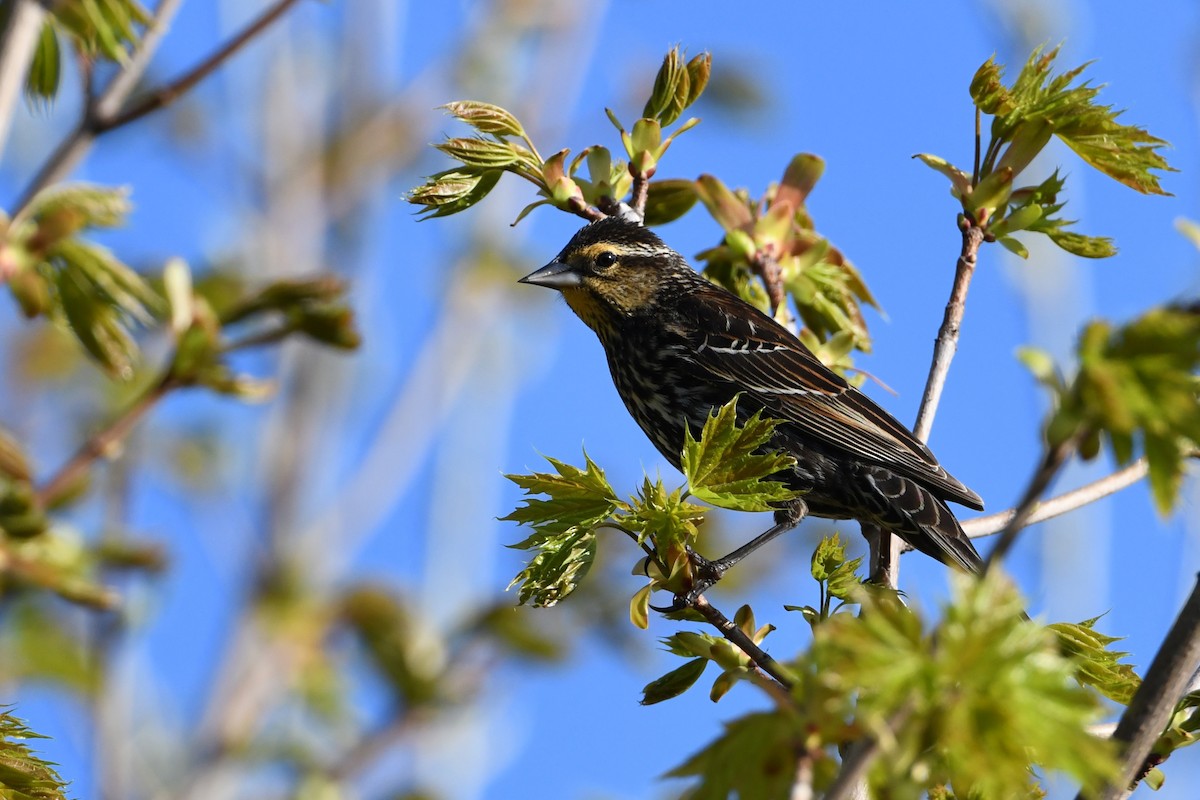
(705, 574)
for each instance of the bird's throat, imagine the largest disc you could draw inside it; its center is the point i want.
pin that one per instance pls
(594, 313)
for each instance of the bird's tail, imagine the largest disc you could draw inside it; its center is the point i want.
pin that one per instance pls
(917, 516)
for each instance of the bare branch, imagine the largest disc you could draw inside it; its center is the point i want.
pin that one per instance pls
(641, 193)
(946, 344)
(102, 444)
(1064, 503)
(1154, 702)
(175, 89)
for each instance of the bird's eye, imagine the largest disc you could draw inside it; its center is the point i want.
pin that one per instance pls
(605, 260)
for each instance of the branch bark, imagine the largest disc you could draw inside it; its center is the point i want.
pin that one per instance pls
(1057, 506)
(1155, 700)
(744, 643)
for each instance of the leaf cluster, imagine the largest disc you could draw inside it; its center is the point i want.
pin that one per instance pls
(730, 465)
(770, 248)
(1135, 390)
(501, 144)
(966, 706)
(1036, 107)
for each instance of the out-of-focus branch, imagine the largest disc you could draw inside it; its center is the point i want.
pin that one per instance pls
(176, 88)
(1154, 702)
(106, 112)
(1057, 506)
(1052, 462)
(102, 443)
(16, 51)
(850, 783)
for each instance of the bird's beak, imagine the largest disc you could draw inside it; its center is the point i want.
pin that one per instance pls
(555, 275)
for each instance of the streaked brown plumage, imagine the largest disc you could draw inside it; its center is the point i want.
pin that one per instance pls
(679, 346)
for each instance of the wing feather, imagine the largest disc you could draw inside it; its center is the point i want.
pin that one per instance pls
(753, 351)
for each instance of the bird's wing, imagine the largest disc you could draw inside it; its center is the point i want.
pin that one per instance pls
(745, 347)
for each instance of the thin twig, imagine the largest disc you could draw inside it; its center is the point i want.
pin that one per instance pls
(102, 443)
(1052, 461)
(172, 91)
(17, 46)
(1150, 710)
(1057, 506)
(744, 643)
(946, 343)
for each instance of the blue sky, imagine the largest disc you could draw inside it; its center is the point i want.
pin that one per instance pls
(865, 86)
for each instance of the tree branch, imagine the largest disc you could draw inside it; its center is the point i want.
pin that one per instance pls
(106, 114)
(1052, 462)
(1057, 506)
(102, 443)
(738, 637)
(1155, 700)
(172, 91)
(640, 194)
(946, 344)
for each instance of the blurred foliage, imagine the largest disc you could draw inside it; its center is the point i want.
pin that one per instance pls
(1135, 389)
(966, 706)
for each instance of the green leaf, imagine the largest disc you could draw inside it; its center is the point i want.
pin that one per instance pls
(664, 515)
(23, 774)
(42, 81)
(727, 466)
(755, 757)
(960, 182)
(671, 89)
(668, 200)
(674, 683)
(988, 91)
(453, 191)
(480, 153)
(98, 327)
(102, 27)
(1125, 153)
(1096, 665)
(485, 117)
(561, 563)
(639, 607)
(575, 498)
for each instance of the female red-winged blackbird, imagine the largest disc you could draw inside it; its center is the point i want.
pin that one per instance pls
(679, 346)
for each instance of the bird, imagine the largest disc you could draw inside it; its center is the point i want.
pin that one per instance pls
(678, 347)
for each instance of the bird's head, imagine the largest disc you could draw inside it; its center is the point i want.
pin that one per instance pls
(611, 270)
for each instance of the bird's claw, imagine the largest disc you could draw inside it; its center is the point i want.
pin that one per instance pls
(705, 574)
